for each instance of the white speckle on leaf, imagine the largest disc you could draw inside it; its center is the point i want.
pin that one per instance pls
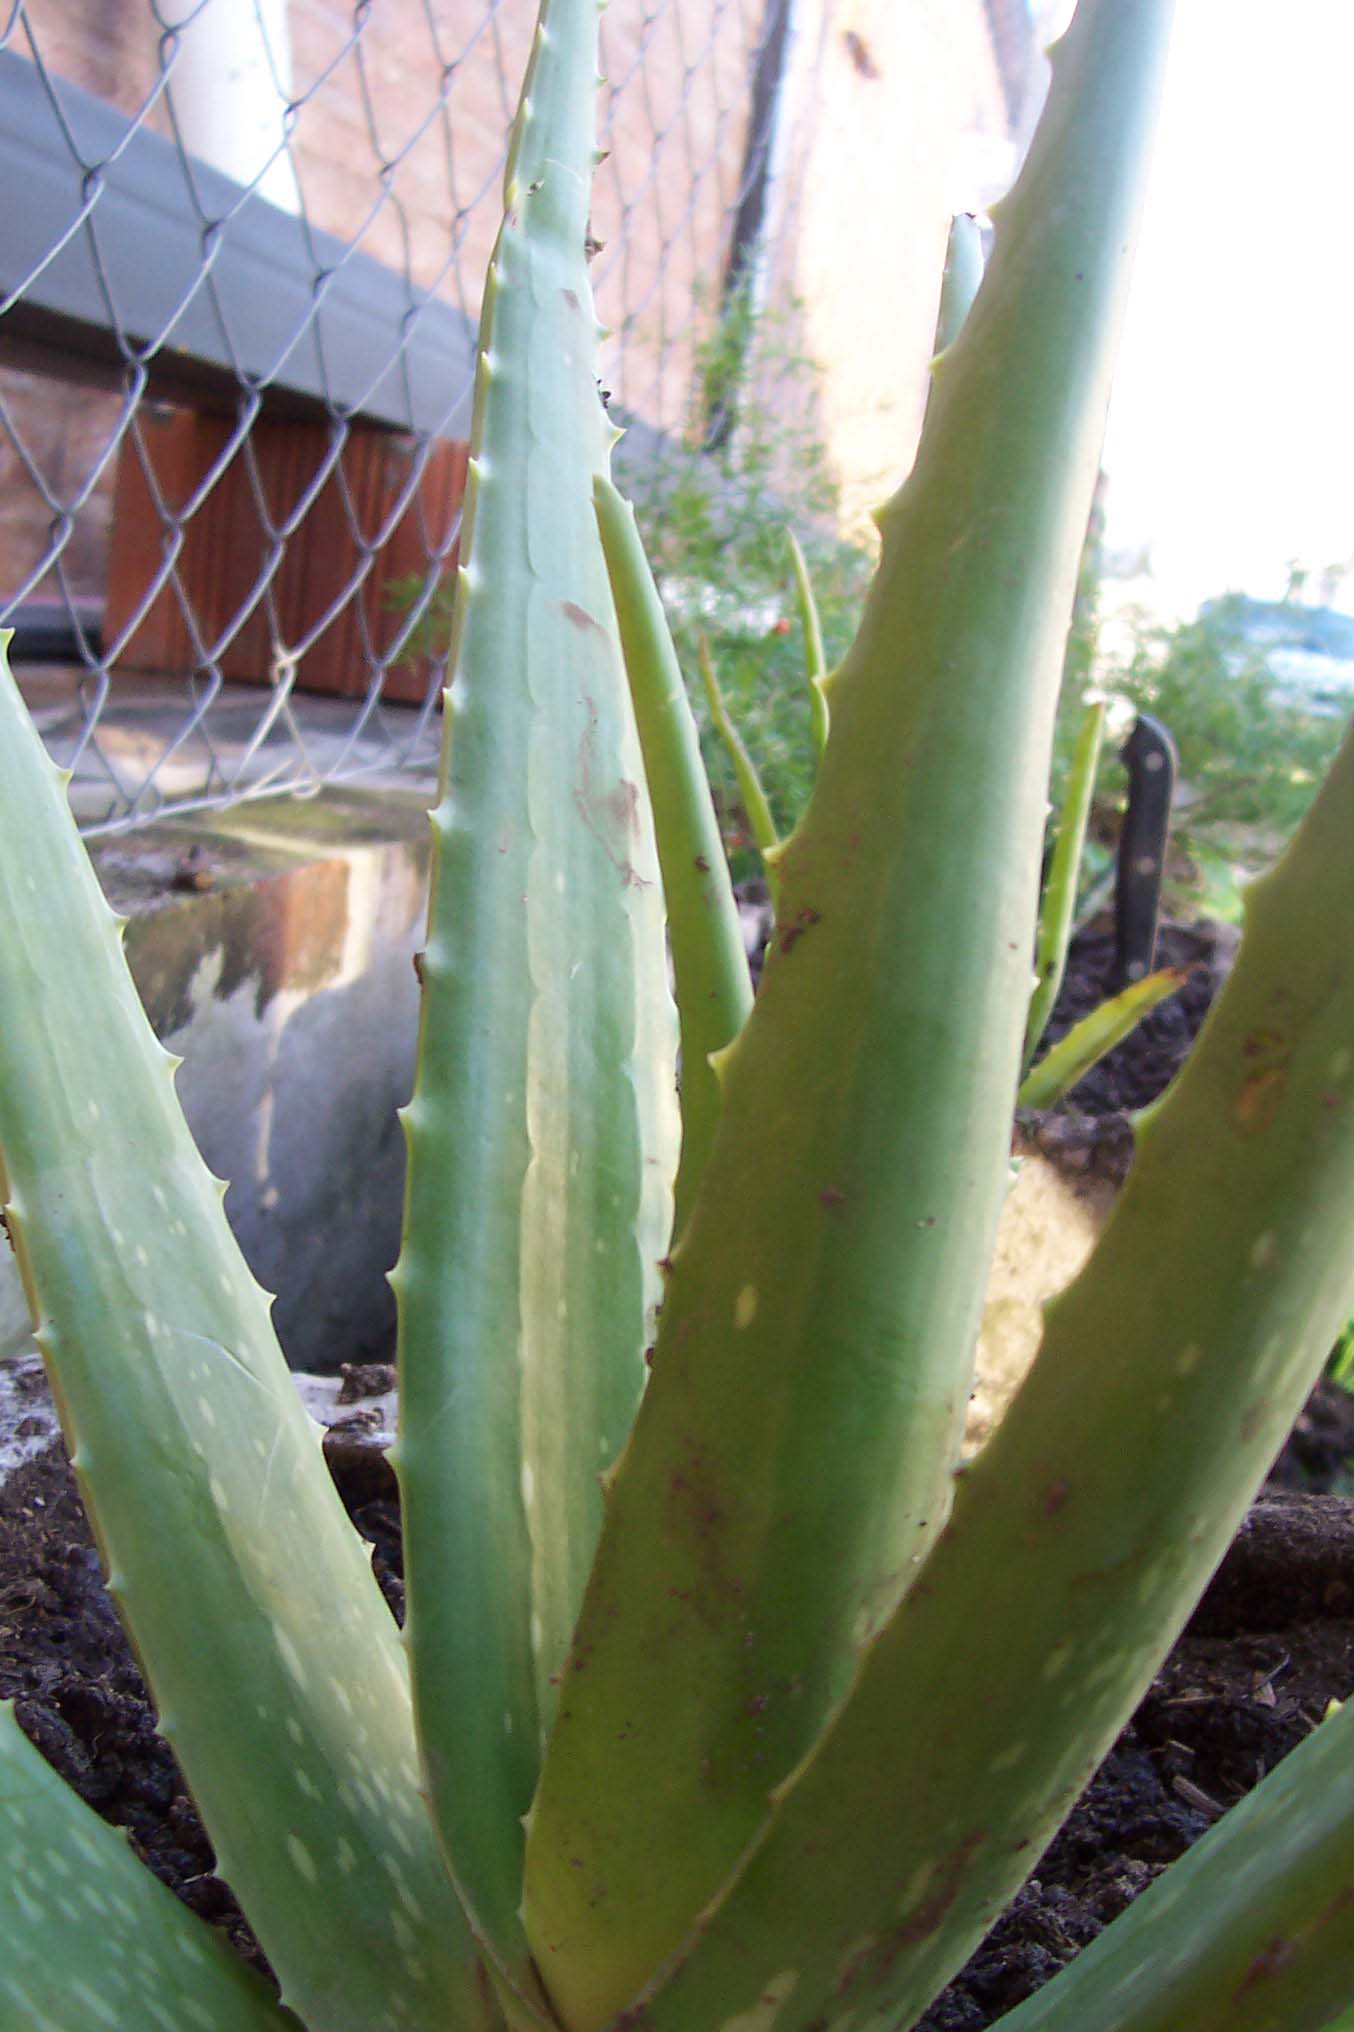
(1056, 1661)
(763, 2014)
(745, 1307)
(1262, 1251)
(916, 1887)
(289, 1655)
(302, 1859)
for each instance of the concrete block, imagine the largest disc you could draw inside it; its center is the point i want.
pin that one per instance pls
(273, 948)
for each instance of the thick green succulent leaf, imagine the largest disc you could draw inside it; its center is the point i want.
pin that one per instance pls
(962, 275)
(1058, 904)
(1248, 1932)
(791, 1462)
(273, 1659)
(709, 964)
(90, 1937)
(756, 804)
(1085, 1531)
(815, 657)
(543, 1129)
(1087, 1042)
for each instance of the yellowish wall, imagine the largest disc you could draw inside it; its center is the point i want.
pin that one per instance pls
(902, 120)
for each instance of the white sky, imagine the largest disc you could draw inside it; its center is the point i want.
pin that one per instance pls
(1231, 444)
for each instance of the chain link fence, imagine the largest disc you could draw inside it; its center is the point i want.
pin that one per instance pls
(237, 308)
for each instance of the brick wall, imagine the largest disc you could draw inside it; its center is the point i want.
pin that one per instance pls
(65, 431)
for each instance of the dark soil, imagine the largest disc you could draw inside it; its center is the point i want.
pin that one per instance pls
(1270, 1645)
(1137, 1070)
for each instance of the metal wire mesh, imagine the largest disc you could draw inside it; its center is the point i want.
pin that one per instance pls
(236, 338)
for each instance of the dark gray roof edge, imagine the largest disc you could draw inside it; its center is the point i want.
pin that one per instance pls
(214, 286)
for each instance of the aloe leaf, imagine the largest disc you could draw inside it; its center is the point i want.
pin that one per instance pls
(755, 803)
(960, 281)
(1086, 1529)
(714, 990)
(543, 1130)
(1248, 1931)
(1087, 1042)
(275, 1665)
(815, 658)
(90, 1937)
(1060, 892)
(790, 1466)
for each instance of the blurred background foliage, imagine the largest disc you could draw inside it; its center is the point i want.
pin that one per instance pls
(714, 506)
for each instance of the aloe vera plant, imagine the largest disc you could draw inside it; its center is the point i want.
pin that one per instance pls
(723, 1702)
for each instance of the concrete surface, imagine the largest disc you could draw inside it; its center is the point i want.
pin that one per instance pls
(273, 947)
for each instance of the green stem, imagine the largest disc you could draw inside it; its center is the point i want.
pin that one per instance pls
(755, 804)
(1060, 893)
(714, 989)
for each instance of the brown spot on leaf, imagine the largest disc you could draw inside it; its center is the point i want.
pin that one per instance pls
(789, 935)
(874, 1962)
(1055, 1495)
(623, 805)
(1269, 1962)
(609, 812)
(1262, 1043)
(1257, 1103)
(580, 616)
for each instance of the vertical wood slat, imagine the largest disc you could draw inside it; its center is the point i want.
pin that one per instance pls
(226, 549)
